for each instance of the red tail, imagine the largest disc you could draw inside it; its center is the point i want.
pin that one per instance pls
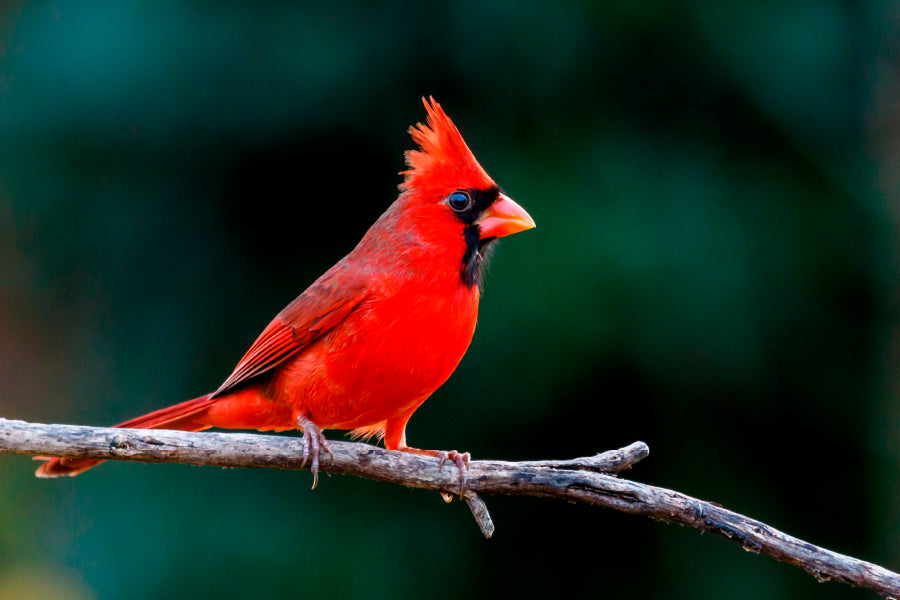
(180, 416)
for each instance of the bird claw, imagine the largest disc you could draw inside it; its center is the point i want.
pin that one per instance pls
(461, 460)
(313, 443)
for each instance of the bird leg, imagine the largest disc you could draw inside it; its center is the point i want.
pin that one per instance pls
(313, 441)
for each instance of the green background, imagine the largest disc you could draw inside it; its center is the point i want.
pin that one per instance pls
(714, 272)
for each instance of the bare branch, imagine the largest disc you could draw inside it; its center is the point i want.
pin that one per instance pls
(589, 480)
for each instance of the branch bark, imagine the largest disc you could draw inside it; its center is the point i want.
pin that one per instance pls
(589, 480)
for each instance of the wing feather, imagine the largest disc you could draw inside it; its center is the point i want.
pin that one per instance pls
(321, 307)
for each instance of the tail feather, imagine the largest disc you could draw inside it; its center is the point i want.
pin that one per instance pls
(179, 416)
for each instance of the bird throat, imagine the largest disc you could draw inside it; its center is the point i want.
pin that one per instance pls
(475, 258)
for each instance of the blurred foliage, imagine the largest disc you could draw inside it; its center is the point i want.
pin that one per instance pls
(714, 272)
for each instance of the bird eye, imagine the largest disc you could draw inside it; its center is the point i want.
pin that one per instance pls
(459, 201)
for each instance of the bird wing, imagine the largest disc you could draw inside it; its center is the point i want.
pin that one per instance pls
(321, 307)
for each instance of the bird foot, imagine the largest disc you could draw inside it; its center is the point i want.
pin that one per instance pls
(461, 460)
(313, 442)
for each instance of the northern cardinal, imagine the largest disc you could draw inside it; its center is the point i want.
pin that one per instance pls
(370, 340)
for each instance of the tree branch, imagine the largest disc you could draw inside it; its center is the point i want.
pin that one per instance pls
(589, 480)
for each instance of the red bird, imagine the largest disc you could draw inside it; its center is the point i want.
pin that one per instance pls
(370, 340)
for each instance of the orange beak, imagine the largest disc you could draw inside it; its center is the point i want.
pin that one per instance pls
(504, 217)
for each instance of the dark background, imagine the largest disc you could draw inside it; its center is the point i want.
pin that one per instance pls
(713, 272)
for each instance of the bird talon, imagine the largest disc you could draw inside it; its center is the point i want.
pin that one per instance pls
(327, 449)
(313, 443)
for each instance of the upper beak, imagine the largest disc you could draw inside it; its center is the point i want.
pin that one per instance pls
(503, 217)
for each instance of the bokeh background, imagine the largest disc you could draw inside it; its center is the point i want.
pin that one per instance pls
(714, 272)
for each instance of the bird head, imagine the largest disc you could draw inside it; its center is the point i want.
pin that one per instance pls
(446, 182)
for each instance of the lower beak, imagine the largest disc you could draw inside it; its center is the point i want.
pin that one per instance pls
(503, 217)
